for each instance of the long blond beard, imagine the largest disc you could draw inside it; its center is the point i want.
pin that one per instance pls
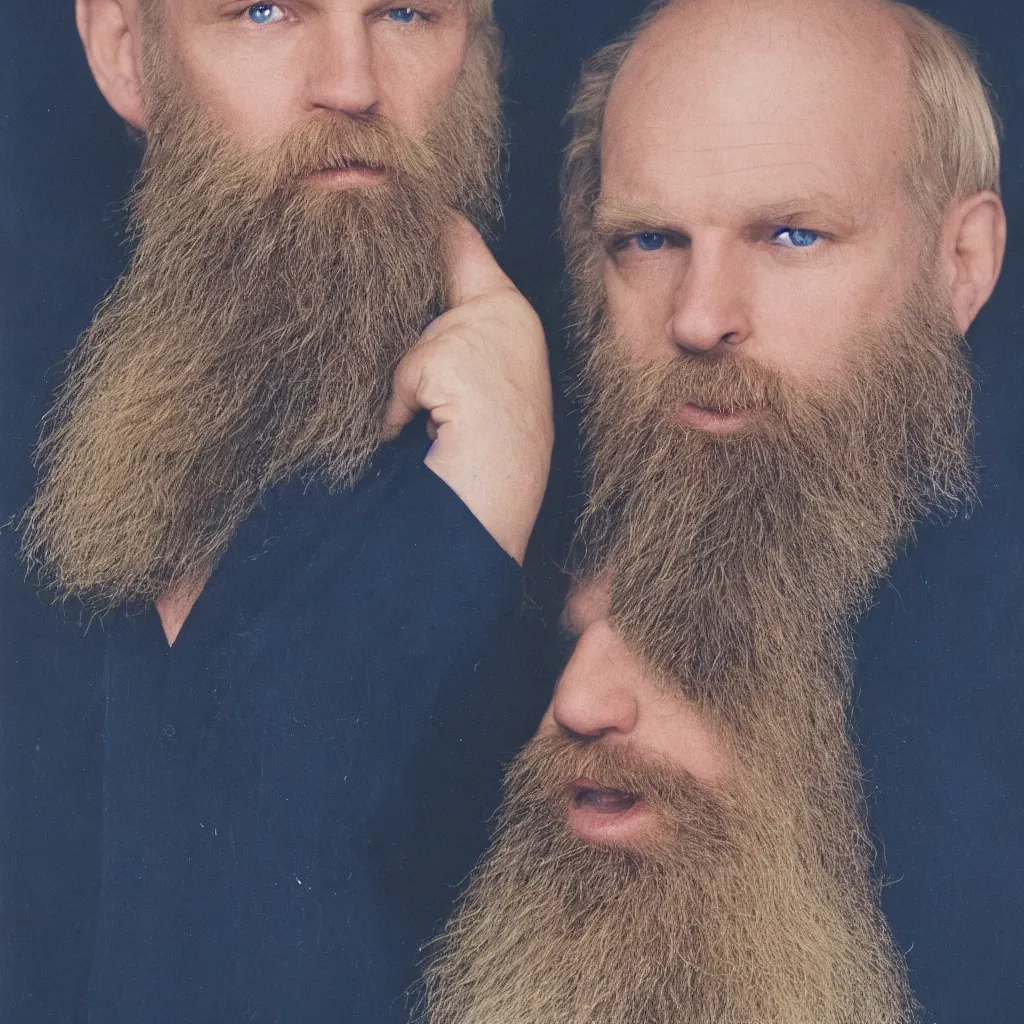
(254, 336)
(738, 914)
(735, 566)
(734, 559)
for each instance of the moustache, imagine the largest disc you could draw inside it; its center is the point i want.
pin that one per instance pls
(336, 142)
(549, 771)
(726, 383)
(720, 381)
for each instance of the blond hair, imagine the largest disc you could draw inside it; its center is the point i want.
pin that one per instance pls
(955, 140)
(954, 146)
(581, 168)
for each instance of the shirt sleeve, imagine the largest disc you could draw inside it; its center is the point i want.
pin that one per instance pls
(462, 676)
(375, 677)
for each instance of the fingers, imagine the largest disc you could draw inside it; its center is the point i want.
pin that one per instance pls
(472, 270)
(473, 273)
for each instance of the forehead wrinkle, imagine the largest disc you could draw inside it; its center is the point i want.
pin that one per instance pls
(659, 126)
(685, 134)
(775, 165)
(639, 152)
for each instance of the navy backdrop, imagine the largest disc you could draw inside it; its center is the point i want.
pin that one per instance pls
(939, 706)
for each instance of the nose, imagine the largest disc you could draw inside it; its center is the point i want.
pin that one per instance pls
(595, 696)
(341, 73)
(709, 305)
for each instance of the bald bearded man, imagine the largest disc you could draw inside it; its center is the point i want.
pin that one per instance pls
(771, 289)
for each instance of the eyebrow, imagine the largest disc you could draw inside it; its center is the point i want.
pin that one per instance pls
(814, 207)
(613, 219)
(435, 6)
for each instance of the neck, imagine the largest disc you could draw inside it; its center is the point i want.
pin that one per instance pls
(176, 604)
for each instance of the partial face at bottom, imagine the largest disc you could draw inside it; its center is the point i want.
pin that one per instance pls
(617, 710)
(646, 868)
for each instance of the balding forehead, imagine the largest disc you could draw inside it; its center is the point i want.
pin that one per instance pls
(874, 23)
(830, 78)
(761, 43)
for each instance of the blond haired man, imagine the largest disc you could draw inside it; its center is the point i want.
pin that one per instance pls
(296, 463)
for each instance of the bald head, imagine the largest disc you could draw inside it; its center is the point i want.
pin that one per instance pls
(726, 131)
(817, 88)
(773, 58)
(697, 34)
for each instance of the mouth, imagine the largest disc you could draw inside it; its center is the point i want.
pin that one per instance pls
(352, 174)
(598, 814)
(712, 420)
(601, 800)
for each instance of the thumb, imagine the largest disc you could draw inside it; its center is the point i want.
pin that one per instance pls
(472, 270)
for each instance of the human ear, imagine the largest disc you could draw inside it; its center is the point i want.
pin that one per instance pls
(109, 30)
(973, 244)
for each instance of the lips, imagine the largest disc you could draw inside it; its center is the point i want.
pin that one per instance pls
(711, 419)
(602, 800)
(353, 165)
(350, 173)
(713, 409)
(607, 816)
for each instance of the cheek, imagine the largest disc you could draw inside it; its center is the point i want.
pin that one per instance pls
(640, 307)
(415, 80)
(796, 324)
(256, 108)
(254, 102)
(807, 326)
(680, 733)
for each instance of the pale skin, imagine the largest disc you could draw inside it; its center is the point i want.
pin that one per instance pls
(481, 370)
(608, 695)
(754, 197)
(736, 130)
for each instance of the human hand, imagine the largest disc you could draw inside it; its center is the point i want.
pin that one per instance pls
(481, 372)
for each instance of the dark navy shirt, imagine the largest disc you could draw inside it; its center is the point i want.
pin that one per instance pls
(293, 792)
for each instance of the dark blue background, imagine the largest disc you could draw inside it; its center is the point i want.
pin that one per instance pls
(939, 708)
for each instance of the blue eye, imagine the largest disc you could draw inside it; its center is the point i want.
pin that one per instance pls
(263, 14)
(649, 241)
(403, 15)
(799, 238)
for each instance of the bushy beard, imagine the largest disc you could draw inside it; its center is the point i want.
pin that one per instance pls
(737, 562)
(735, 566)
(255, 334)
(752, 906)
